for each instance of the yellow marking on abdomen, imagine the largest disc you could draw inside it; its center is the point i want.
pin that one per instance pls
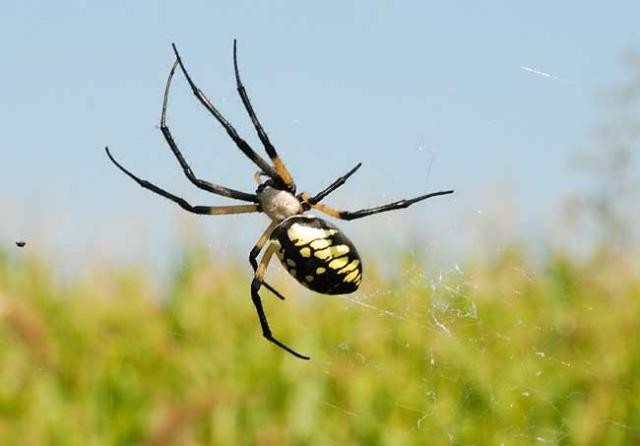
(338, 263)
(305, 252)
(332, 251)
(279, 249)
(302, 235)
(350, 267)
(353, 275)
(320, 243)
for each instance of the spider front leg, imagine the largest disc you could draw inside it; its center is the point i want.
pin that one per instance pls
(309, 201)
(233, 134)
(257, 302)
(352, 215)
(281, 169)
(202, 184)
(202, 210)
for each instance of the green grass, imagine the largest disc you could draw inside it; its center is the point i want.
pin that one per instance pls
(501, 352)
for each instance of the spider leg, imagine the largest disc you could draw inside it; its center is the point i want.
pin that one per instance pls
(352, 215)
(255, 251)
(283, 173)
(241, 143)
(257, 302)
(202, 184)
(202, 210)
(326, 191)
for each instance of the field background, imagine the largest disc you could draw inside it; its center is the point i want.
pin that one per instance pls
(498, 351)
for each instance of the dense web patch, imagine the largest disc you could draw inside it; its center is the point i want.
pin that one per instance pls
(486, 337)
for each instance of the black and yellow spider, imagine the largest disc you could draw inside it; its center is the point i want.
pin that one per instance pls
(316, 253)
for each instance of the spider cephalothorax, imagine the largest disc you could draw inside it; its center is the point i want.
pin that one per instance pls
(316, 253)
(278, 204)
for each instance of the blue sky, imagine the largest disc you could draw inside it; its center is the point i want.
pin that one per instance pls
(428, 95)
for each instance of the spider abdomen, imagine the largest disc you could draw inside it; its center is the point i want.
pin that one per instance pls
(318, 255)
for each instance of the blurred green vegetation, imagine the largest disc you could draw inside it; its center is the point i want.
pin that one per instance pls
(498, 351)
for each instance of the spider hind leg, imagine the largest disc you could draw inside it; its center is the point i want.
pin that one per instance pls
(257, 302)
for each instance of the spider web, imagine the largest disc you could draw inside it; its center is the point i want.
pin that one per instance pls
(443, 300)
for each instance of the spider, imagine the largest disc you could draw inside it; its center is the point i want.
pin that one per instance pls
(315, 252)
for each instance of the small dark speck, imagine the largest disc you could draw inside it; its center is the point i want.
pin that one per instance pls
(21, 244)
